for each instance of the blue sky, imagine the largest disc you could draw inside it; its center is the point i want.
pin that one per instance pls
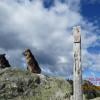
(90, 11)
(45, 26)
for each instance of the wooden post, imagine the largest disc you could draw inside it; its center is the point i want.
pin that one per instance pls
(77, 79)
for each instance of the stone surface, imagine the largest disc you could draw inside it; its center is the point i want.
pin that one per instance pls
(17, 84)
(96, 98)
(22, 85)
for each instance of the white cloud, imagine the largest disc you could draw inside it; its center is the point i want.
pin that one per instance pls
(47, 32)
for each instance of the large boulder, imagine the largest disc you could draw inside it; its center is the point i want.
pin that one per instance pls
(16, 84)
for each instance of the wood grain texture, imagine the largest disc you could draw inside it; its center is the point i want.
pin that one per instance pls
(77, 70)
(77, 35)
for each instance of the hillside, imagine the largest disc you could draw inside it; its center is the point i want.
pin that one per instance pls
(21, 85)
(16, 84)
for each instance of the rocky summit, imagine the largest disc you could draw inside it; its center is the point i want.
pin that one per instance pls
(17, 84)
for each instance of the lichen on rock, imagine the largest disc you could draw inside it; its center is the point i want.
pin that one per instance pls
(17, 84)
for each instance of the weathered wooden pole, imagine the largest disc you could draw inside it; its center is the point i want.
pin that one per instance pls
(77, 70)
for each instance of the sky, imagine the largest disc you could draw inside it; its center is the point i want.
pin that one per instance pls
(45, 26)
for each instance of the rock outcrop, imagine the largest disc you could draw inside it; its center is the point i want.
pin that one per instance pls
(96, 98)
(22, 85)
(16, 84)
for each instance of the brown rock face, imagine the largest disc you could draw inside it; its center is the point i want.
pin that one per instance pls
(33, 65)
(3, 61)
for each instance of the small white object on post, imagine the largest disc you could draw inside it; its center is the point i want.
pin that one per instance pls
(77, 70)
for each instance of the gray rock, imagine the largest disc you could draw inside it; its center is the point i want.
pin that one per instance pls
(22, 85)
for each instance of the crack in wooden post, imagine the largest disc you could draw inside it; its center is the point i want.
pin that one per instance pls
(77, 70)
